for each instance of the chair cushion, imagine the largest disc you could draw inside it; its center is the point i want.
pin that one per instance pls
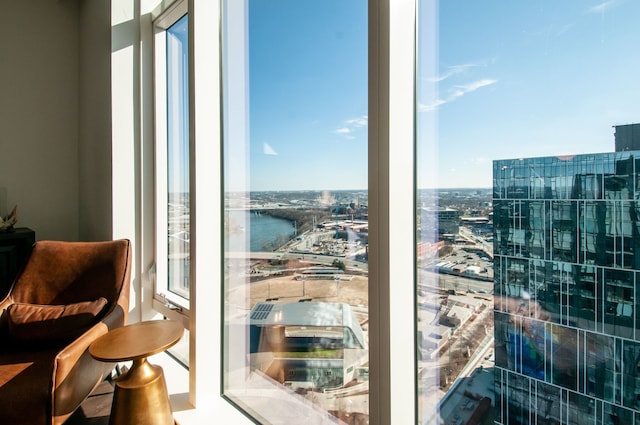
(36, 323)
(25, 385)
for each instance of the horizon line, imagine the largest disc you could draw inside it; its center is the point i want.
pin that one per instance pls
(358, 190)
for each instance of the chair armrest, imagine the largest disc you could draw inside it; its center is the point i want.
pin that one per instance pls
(5, 303)
(74, 350)
(75, 372)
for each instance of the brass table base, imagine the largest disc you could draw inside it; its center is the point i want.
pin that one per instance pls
(141, 397)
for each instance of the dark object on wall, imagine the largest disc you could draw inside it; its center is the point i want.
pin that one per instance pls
(15, 248)
(67, 295)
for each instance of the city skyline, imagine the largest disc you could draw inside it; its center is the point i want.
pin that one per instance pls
(529, 80)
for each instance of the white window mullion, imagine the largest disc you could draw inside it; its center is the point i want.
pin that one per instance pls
(402, 211)
(392, 40)
(205, 295)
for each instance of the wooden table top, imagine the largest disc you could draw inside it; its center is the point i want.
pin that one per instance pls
(136, 341)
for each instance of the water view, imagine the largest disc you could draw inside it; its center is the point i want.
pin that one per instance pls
(264, 232)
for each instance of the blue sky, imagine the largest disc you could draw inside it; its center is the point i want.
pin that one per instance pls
(500, 79)
(308, 94)
(527, 78)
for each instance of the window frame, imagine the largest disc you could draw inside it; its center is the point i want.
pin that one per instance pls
(165, 302)
(392, 109)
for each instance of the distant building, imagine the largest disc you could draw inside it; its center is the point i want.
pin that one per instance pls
(567, 289)
(479, 225)
(428, 248)
(445, 220)
(627, 137)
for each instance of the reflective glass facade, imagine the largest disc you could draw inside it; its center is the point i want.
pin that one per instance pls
(567, 269)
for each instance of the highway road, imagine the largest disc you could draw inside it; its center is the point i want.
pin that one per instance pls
(480, 242)
(313, 258)
(428, 280)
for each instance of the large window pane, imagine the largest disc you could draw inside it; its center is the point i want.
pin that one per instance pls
(296, 210)
(522, 217)
(178, 157)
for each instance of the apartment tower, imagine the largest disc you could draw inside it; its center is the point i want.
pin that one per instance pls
(567, 288)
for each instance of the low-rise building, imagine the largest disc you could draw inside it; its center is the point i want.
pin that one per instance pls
(312, 345)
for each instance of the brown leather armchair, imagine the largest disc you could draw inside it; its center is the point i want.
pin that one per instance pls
(67, 295)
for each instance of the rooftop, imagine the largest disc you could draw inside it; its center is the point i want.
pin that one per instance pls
(312, 314)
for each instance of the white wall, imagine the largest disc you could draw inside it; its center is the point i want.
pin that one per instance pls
(55, 123)
(94, 150)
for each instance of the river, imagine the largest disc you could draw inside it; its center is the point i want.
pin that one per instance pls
(264, 231)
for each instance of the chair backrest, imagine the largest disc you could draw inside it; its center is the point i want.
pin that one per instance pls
(70, 272)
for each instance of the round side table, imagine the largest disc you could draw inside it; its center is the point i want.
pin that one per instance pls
(140, 396)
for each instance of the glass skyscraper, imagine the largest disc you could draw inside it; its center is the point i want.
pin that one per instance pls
(567, 281)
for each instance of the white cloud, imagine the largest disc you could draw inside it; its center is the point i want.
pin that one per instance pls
(457, 92)
(359, 122)
(599, 8)
(268, 150)
(454, 70)
(351, 125)
(425, 107)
